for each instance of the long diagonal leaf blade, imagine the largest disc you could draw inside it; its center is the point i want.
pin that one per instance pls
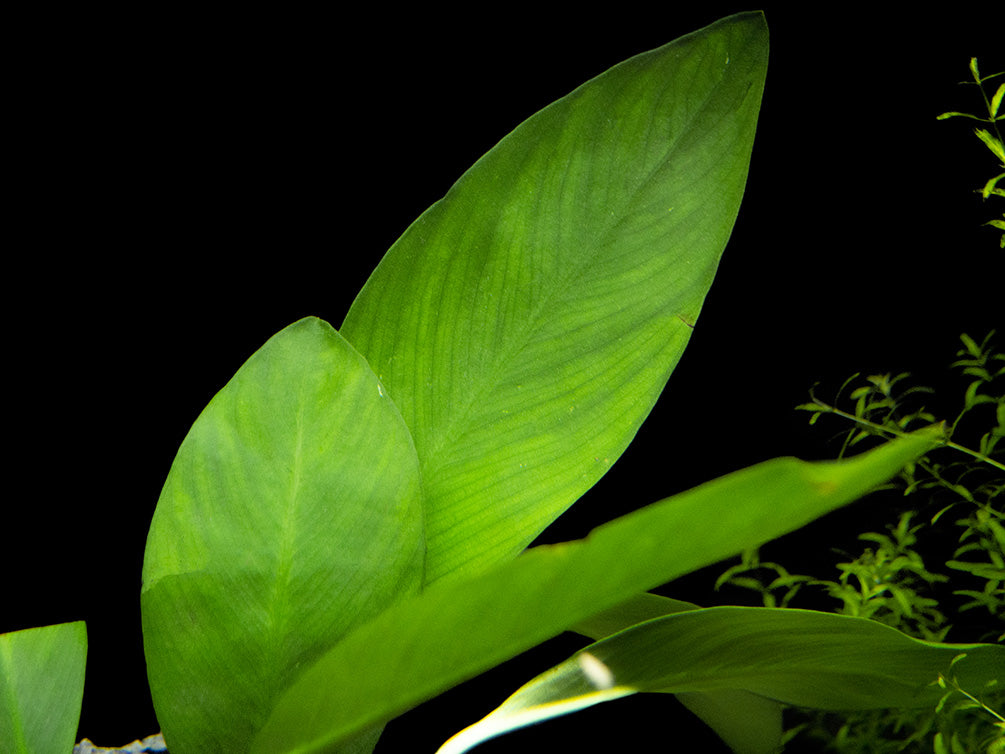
(797, 657)
(41, 688)
(291, 514)
(748, 723)
(527, 322)
(453, 631)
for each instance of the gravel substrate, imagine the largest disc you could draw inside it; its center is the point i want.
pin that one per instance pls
(149, 744)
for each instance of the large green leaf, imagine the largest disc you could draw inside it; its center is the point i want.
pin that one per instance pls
(527, 322)
(457, 629)
(797, 657)
(41, 687)
(291, 513)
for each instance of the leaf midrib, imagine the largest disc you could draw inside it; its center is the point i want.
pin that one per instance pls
(279, 600)
(450, 434)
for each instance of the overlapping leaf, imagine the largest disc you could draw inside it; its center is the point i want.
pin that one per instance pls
(291, 514)
(797, 657)
(457, 629)
(526, 323)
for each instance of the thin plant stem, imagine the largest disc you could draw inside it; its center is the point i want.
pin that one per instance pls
(899, 433)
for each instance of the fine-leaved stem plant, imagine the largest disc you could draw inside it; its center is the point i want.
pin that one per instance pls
(991, 136)
(890, 581)
(985, 729)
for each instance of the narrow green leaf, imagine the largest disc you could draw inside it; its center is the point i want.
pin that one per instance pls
(291, 514)
(974, 70)
(794, 657)
(749, 723)
(454, 630)
(991, 186)
(981, 570)
(992, 143)
(41, 688)
(527, 322)
(944, 116)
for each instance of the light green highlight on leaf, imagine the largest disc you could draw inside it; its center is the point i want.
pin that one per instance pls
(41, 688)
(555, 693)
(795, 657)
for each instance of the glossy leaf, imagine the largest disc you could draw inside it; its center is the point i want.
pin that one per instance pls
(453, 631)
(41, 688)
(795, 657)
(527, 322)
(291, 514)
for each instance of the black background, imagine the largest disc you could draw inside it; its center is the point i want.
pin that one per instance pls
(187, 183)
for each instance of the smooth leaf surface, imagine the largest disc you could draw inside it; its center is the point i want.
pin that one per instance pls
(797, 657)
(748, 723)
(291, 514)
(41, 688)
(641, 607)
(453, 631)
(527, 322)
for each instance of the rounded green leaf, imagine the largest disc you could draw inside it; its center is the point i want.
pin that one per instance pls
(527, 322)
(291, 514)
